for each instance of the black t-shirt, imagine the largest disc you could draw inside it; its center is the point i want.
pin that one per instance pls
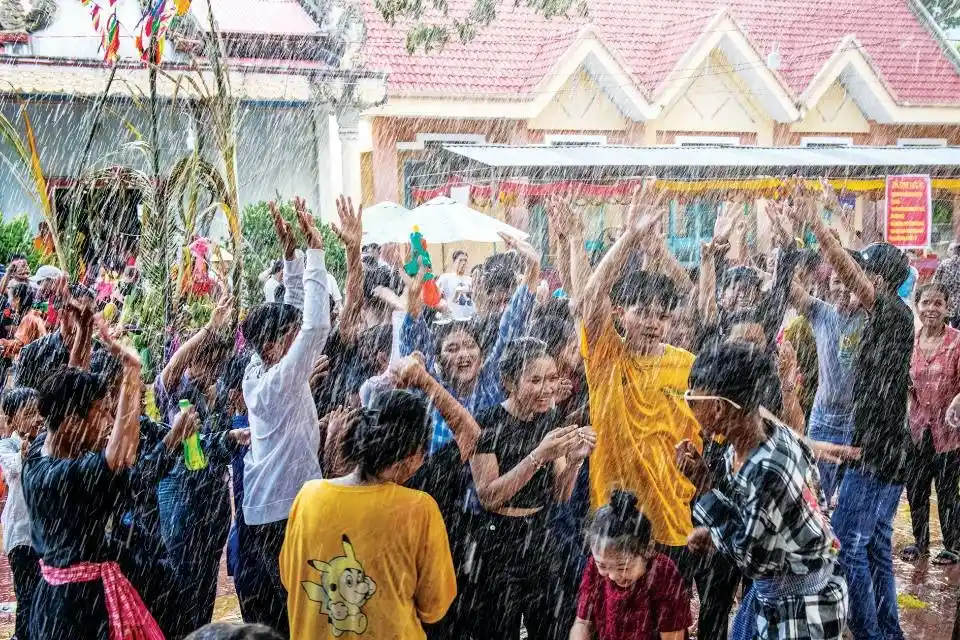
(512, 440)
(54, 488)
(882, 380)
(447, 479)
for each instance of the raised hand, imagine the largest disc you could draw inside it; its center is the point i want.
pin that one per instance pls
(184, 425)
(645, 216)
(284, 232)
(726, 221)
(350, 230)
(126, 354)
(409, 372)
(321, 369)
(307, 225)
(220, 318)
(522, 247)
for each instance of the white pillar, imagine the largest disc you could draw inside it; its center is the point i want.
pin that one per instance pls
(348, 122)
(325, 187)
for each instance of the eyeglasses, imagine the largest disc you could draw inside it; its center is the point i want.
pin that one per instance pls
(689, 397)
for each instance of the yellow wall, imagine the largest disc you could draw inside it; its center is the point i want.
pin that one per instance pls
(715, 101)
(835, 113)
(580, 105)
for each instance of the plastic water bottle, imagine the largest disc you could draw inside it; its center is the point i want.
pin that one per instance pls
(193, 458)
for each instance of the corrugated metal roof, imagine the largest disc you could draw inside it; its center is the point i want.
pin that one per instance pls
(697, 158)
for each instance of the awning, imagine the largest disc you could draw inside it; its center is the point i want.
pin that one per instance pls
(706, 162)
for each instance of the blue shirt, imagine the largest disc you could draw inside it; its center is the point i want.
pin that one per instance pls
(416, 335)
(838, 338)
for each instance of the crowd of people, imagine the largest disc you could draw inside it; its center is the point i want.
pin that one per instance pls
(578, 454)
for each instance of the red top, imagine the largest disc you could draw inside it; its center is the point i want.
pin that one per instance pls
(657, 603)
(936, 381)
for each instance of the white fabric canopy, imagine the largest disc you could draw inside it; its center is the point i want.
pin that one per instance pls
(386, 220)
(440, 220)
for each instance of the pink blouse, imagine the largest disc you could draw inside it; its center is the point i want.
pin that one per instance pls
(936, 381)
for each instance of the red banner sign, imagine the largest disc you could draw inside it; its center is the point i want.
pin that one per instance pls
(909, 220)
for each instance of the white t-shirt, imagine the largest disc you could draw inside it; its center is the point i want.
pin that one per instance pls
(457, 290)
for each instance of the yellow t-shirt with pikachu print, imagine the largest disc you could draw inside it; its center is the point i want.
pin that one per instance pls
(368, 562)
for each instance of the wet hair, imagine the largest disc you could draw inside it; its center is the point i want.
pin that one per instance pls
(458, 253)
(516, 355)
(742, 316)
(396, 428)
(69, 392)
(620, 525)
(555, 307)
(232, 377)
(81, 292)
(506, 261)
(107, 366)
(555, 332)
(276, 267)
(738, 371)
(378, 275)
(228, 631)
(214, 350)
(39, 359)
(938, 287)
(642, 288)
(442, 331)
(499, 279)
(269, 323)
(738, 275)
(25, 294)
(14, 400)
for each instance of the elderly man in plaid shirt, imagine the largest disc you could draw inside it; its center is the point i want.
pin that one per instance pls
(768, 512)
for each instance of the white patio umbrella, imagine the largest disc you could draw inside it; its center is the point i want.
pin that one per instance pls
(386, 222)
(444, 220)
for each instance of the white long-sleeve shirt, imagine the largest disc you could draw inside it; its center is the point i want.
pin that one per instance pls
(284, 433)
(16, 519)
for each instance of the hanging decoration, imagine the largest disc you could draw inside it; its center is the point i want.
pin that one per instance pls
(511, 192)
(105, 23)
(154, 26)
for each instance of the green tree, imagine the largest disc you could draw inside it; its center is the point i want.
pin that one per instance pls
(432, 32)
(946, 13)
(261, 247)
(16, 237)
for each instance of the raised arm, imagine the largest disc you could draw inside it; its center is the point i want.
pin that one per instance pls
(313, 334)
(852, 275)
(643, 220)
(293, 293)
(411, 373)
(182, 357)
(707, 294)
(124, 440)
(350, 233)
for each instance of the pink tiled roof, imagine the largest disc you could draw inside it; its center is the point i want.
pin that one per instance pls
(275, 17)
(515, 53)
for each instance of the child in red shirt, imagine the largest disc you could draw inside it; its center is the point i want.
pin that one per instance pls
(629, 591)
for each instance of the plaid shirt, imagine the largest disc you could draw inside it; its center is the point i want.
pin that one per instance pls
(773, 524)
(416, 335)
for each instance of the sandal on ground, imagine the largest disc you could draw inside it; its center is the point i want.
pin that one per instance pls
(946, 557)
(912, 553)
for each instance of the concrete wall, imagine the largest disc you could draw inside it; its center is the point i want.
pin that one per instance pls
(276, 148)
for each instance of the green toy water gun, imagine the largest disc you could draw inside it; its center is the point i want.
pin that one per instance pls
(420, 257)
(193, 458)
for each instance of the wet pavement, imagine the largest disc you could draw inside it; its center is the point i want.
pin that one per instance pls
(928, 593)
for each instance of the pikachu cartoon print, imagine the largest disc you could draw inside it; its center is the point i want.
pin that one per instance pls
(343, 590)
